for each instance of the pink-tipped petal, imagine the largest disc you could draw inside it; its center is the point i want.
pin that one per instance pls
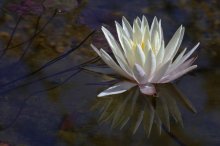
(148, 89)
(139, 74)
(160, 72)
(170, 78)
(183, 66)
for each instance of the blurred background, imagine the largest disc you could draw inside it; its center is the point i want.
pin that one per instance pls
(46, 99)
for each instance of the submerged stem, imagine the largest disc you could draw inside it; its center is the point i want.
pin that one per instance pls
(31, 39)
(52, 75)
(49, 63)
(11, 37)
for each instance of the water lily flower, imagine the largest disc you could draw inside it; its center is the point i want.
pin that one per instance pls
(142, 58)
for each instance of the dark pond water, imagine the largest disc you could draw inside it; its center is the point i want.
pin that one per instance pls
(46, 100)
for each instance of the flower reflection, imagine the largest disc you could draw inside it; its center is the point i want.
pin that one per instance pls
(135, 110)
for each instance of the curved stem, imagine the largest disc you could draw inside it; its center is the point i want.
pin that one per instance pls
(48, 63)
(11, 37)
(52, 75)
(38, 32)
(31, 40)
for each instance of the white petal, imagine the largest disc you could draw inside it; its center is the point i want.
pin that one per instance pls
(120, 31)
(160, 54)
(181, 58)
(124, 40)
(139, 55)
(160, 72)
(144, 24)
(154, 28)
(127, 27)
(187, 63)
(124, 65)
(148, 89)
(155, 42)
(139, 74)
(179, 74)
(137, 35)
(171, 47)
(119, 55)
(111, 63)
(113, 43)
(138, 21)
(177, 60)
(160, 32)
(179, 41)
(185, 57)
(183, 66)
(150, 64)
(95, 49)
(145, 36)
(117, 88)
(128, 52)
(147, 47)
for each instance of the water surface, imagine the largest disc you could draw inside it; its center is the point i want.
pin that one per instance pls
(57, 111)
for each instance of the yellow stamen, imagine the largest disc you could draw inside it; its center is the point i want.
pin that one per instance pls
(142, 45)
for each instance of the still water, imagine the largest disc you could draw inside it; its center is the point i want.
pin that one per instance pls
(46, 99)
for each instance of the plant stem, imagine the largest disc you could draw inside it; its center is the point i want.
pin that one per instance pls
(49, 63)
(11, 37)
